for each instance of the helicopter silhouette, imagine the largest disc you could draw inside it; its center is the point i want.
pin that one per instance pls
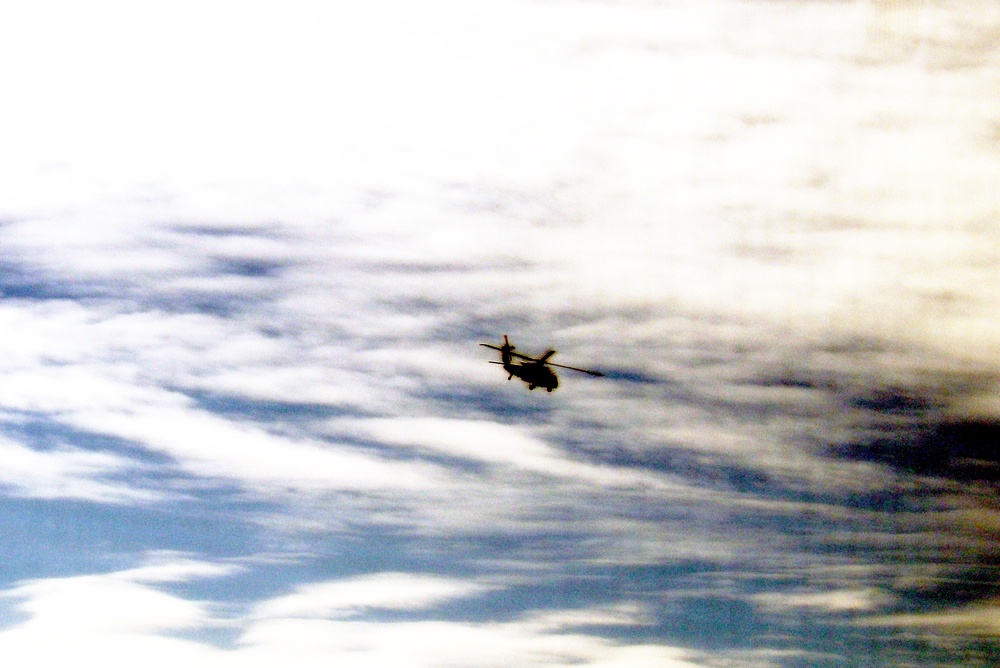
(535, 371)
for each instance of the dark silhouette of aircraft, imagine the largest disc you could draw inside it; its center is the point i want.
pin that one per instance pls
(535, 371)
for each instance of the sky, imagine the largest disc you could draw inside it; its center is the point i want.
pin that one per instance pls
(248, 251)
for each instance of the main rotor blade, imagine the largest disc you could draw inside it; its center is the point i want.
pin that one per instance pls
(548, 353)
(509, 350)
(573, 368)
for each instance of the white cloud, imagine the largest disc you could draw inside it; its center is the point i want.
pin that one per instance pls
(381, 591)
(116, 616)
(838, 601)
(214, 447)
(119, 602)
(168, 566)
(69, 473)
(545, 638)
(690, 126)
(977, 619)
(623, 614)
(126, 620)
(447, 644)
(103, 603)
(499, 444)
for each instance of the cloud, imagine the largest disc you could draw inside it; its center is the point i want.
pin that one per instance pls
(545, 638)
(213, 447)
(121, 602)
(497, 444)
(70, 473)
(122, 614)
(381, 591)
(624, 614)
(978, 620)
(449, 644)
(842, 601)
(777, 238)
(168, 566)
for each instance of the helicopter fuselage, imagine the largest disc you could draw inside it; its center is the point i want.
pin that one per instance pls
(534, 374)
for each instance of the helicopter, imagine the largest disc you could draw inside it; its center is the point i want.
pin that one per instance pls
(535, 371)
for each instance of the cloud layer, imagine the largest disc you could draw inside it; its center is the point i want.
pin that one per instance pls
(247, 255)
